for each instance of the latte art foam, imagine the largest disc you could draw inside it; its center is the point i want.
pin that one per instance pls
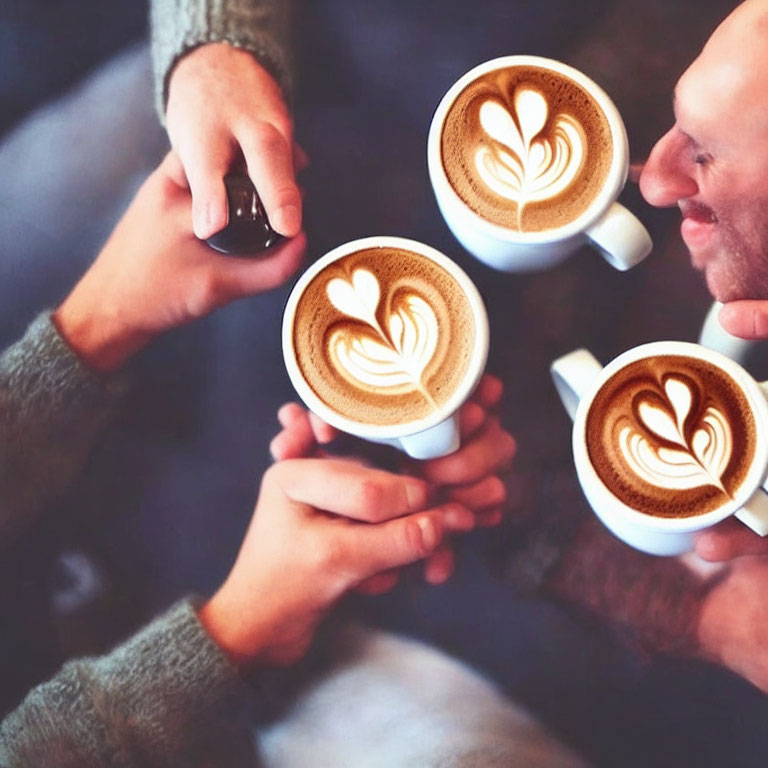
(526, 148)
(671, 436)
(383, 336)
(522, 164)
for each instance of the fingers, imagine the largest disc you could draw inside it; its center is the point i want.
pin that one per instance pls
(746, 319)
(372, 549)
(488, 392)
(237, 278)
(205, 164)
(172, 170)
(349, 489)
(728, 540)
(296, 440)
(269, 156)
(491, 450)
(323, 431)
(300, 158)
(471, 417)
(379, 583)
(302, 432)
(485, 493)
(488, 518)
(438, 567)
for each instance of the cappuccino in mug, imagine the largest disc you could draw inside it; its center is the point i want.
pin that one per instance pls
(527, 157)
(671, 436)
(526, 148)
(385, 338)
(383, 335)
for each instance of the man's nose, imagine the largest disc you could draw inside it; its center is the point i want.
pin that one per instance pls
(666, 177)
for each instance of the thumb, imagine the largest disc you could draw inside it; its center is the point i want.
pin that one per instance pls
(246, 277)
(728, 540)
(746, 319)
(380, 547)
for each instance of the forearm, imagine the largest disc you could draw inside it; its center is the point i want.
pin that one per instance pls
(653, 603)
(261, 27)
(168, 696)
(51, 409)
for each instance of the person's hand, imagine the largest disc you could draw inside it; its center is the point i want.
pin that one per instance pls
(733, 624)
(223, 105)
(747, 319)
(153, 275)
(728, 540)
(471, 476)
(320, 528)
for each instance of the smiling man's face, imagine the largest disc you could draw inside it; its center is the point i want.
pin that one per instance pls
(713, 162)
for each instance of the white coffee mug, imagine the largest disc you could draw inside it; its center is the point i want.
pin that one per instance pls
(714, 336)
(578, 377)
(606, 224)
(438, 433)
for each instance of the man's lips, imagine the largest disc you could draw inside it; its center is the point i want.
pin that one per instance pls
(696, 229)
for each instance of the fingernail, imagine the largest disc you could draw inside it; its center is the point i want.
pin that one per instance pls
(415, 493)
(429, 536)
(459, 518)
(201, 221)
(287, 220)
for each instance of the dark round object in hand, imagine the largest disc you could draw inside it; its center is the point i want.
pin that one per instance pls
(248, 231)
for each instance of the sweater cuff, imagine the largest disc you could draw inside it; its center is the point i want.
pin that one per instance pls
(179, 26)
(653, 603)
(166, 697)
(43, 354)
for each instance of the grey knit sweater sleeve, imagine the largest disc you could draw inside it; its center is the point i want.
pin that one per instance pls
(51, 409)
(259, 26)
(167, 697)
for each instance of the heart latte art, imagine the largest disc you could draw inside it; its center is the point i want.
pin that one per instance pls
(671, 436)
(526, 148)
(383, 336)
(392, 356)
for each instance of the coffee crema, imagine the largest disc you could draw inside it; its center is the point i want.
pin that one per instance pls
(383, 336)
(526, 148)
(671, 436)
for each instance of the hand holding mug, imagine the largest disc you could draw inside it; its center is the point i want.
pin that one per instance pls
(471, 476)
(385, 338)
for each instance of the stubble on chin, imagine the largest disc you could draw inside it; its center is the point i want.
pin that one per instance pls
(737, 276)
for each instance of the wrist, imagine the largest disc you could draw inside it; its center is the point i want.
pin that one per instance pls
(99, 340)
(712, 631)
(225, 624)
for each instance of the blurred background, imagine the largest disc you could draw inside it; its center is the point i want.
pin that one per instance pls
(163, 506)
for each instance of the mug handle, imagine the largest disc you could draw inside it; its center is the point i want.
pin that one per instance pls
(572, 375)
(434, 442)
(754, 514)
(620, 237)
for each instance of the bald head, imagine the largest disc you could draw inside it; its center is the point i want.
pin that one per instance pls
(736, 55)
(713, 162)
